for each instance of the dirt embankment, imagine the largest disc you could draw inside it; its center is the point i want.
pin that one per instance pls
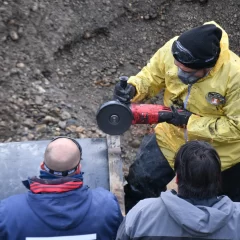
(59, 60)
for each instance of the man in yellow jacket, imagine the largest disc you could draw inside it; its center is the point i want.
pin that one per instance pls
(201, 76)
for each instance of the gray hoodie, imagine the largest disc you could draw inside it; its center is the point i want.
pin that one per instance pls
(171, 217)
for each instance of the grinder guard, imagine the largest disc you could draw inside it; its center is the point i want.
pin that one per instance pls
(114, 117)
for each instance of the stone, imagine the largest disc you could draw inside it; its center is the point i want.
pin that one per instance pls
(94, 73)
(41, 128)
(46, 82)
(135, 143)
(94, 129)
(34, 7)
(62, 124)
(56, 111)
(14, 36)
(28, 123)
(87, 35)
(24, 139)
(72, 121)
(25, 131)
(20, 65)
(56, 133)
(3, 124)
(8, 140)
(71, 128)
(50, 119)
(81, 135)
(80, 129)
(38, 100)
(30, 136)
(65, 115)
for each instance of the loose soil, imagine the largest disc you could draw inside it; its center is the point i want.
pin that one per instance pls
(60, 60)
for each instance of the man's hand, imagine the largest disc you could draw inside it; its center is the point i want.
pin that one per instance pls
(179, 117)
(124, 95)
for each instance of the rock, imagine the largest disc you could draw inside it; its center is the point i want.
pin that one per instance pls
(20, 65)
(81, 135)
(38, 100)
(147, 17)
(80, 129)
(15, 71)
(94, 129)
(71, 128)
(65, 115)
(87, 35)
(14, 36)
(37, 71)
(56, 111)
(24, 139)
(35, 113)
(34, 7)
(135, 143)
(8, 140)
(56, 133)
(20, 30)
(72, 121)
(30, 136)
(62, 124)
(44, 111)
(41, 128)
(3, 124)
(46, 82)
(94, 135)
(39, 88)
(50, 119)
(25, 131)
(28, 123)
(94, 73)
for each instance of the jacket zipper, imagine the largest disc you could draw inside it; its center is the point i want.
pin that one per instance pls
(185, 107)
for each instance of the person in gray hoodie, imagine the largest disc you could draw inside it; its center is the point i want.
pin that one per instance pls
(197, 211)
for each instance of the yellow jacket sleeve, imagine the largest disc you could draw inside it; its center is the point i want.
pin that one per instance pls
(151, 79)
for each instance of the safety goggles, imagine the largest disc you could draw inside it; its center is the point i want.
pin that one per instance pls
(58, 173)
(181, 54)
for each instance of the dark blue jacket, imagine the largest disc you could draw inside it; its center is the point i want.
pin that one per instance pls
(78, 212)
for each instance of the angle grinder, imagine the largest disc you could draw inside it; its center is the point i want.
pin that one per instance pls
(115, 118)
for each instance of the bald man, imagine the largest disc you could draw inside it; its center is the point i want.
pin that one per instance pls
(62, 154)
(58, 203)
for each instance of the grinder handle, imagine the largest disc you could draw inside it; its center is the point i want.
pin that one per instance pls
(123, 81)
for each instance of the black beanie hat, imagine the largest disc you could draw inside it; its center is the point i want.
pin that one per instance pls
(199, 47)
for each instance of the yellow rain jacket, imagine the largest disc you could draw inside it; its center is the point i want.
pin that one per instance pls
(215, 122)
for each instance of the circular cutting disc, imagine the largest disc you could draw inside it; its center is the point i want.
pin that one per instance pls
(114, 118)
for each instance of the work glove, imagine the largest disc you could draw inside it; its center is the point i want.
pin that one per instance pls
(179, 117)
(124, 95)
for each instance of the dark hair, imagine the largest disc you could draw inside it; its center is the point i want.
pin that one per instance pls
(198, 168)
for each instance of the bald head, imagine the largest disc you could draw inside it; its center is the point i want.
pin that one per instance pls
(62, 154)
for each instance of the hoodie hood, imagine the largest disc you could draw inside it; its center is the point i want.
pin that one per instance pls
(224, 45)
(61, 210)
(197, 220)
